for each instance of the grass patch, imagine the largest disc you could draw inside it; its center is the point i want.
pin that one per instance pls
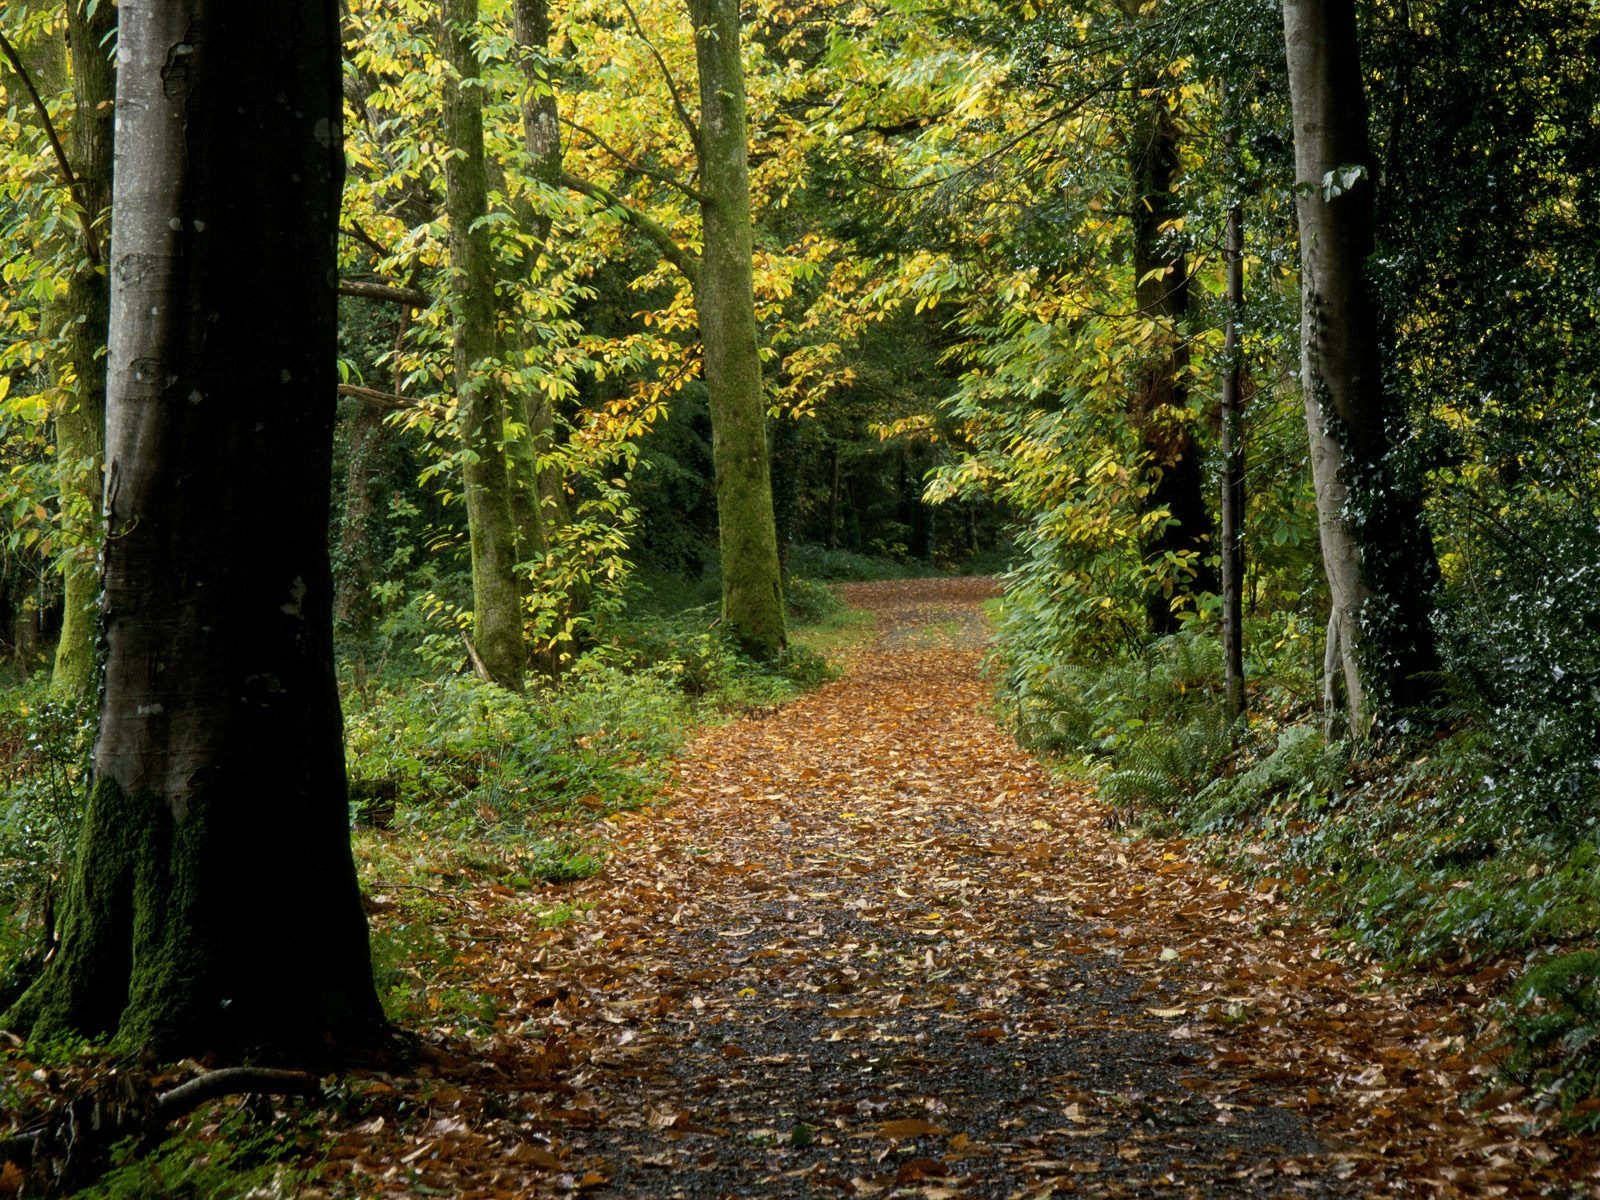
(214, 1157)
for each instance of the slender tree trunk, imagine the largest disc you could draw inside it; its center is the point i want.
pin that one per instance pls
(1376, 548)
(752, 591)
(496, 595)
(833, 496)
(353, 610)
(214, 906)
(539, 491)
(531, 412)
(80, 424)
(541, 131)
(1159, 406)
(1233, 467)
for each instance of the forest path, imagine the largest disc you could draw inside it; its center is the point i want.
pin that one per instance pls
(872, 949)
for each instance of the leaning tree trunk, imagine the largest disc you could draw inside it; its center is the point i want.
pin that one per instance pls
(214, 905)
(496, 597)
(1159, 405)
(80, 425)
(1376, 548)
(752, 590)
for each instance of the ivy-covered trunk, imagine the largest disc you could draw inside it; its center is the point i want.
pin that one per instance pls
(1159, 405)
(752, 589)
(213, 905)
(80, 423)
(1376, 547)
(496, 595)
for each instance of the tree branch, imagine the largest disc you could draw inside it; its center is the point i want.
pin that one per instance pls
(678, 105)
(231, 1081)
(407, 297)
(378, 399)
(355, 233)
(91, 240)
(648, 172)
(652, 229)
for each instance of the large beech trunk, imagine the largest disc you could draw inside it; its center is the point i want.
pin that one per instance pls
(496, 594)
(1376, 548)
(214, 904)
(752, 589)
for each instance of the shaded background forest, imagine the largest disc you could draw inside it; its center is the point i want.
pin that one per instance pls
(990, 277)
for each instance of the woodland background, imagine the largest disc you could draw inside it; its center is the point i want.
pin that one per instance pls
(985, 236)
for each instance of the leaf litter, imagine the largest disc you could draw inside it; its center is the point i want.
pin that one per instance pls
(868, 947)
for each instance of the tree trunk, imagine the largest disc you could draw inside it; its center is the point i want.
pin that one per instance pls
(214, 904)
(81, 423)
(539, 490)
(752, 592)
(1159, 405)
(1376, 548)
(541, 130)
(496, 595)
(1233, 467)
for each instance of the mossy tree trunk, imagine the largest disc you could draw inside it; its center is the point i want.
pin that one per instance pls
(214, 905)
(541, 132)
(1376, 548)
(539, 490)
(80, 424)
(496, 594)
(752, 590)
(1160, 403)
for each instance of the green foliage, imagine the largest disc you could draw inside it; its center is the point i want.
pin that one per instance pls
(1551, 1034)
(688, 650)
(241, 1156)
(413, 962)
(44, 752)
(822, 563)
(1300, 770)
(467, 755)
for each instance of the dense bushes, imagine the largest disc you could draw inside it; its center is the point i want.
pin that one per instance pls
(44, 748)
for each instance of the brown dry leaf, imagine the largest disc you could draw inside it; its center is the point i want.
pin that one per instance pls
(535, 1156)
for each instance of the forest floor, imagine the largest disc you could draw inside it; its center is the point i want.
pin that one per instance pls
(868, 947)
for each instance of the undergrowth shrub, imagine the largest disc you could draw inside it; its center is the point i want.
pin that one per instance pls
(823, 563)
(465, 755)
(243, 1156)
(1300, 771)
(44, 752)
(1550, 1035)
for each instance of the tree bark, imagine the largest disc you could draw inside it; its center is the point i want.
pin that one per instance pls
(752, 590)
(1232, 422)
(80, 424)
(1159, 405)
(539, 490)
(214, 904)
(1376, 548)
(496, 594)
